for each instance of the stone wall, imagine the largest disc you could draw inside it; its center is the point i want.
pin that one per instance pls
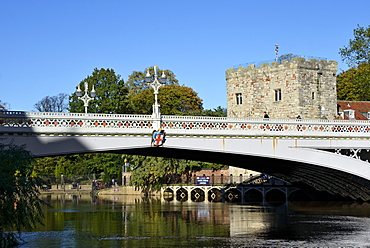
(308, 89)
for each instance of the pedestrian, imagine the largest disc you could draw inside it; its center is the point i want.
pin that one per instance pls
(299, 127)
(93, 185)
(266, 115)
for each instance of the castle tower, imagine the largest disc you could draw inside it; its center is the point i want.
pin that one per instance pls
(283, 90)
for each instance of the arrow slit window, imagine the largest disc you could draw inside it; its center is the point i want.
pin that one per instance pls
(278, 95)
(239, 98)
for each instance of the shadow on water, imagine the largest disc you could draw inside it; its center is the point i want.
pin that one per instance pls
(359, 209)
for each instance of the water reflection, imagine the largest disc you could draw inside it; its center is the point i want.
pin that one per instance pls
(134, 221)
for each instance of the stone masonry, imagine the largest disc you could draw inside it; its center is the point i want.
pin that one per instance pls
(283, 90)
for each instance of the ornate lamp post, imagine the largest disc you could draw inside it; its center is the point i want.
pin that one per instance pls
(156, 82)
(86, 98)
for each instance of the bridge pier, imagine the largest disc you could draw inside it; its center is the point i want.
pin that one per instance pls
(260, 194)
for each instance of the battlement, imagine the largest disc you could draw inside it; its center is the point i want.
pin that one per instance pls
(285, 88)
(288, 64)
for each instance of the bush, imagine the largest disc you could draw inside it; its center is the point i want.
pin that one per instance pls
(20, 206)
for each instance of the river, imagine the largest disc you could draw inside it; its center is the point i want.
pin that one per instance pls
(126, 221)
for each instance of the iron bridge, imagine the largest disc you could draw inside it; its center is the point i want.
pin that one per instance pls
(328, 157)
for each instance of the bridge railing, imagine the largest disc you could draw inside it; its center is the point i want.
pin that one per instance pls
(123, 124)
(74, 123)
(184, 125)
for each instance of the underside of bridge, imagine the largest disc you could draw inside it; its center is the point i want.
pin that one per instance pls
(319, 183)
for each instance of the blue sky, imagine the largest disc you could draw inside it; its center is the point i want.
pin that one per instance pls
(47, 46)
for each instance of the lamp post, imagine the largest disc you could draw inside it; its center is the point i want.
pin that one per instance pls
(62, 182)
(124, 167)
(86, 98)
(319, 81)
(156, 82)
(125, 175)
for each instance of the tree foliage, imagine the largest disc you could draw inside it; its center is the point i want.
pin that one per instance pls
(156, 171)
(20, 206)
(136, 81)
(111, 93)
(136, 97)
(216, 112)
(354, 84)
(107, 164)
(142, 97)
(3, 105)
(358, 49)
(174, 100)
(111, 97)
(52, 103)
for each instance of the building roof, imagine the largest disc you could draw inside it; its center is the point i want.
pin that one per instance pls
(361, 108)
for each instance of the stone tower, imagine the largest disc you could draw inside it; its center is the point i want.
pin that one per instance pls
(283, 90)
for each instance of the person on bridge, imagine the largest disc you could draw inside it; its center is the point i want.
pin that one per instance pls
(266, 115)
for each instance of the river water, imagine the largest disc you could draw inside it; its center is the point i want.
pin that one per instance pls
(123, 221)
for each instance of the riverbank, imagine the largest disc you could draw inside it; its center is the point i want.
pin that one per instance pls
(86, 189)
(58, 189)
(129, 190)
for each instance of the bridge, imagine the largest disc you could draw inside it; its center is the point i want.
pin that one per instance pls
(319, 156)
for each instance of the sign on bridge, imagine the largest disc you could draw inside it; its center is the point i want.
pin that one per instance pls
(203, 181)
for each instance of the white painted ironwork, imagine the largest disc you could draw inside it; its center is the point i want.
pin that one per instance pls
(79, 123)
(156, 82)
(336, 145)
(86, 98)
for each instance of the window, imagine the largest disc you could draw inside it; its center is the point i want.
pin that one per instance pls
(239, 98)
(350, 113)
(278, 95)
(313, 95)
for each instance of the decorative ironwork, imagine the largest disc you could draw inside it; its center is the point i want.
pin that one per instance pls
(356, 153)
(14, 122)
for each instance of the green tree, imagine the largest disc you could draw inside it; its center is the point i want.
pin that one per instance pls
(82, 164)
(156, 171)
(111, 93)
(354, 84)
(174, 100)
(20, 206)
(46, 166)
(111, 97)
(358, 49)
(141, 96)
(136, 81)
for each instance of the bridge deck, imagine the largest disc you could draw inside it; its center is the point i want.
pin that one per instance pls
(12, 122)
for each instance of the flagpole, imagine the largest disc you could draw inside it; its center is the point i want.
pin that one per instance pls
(276, 51)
